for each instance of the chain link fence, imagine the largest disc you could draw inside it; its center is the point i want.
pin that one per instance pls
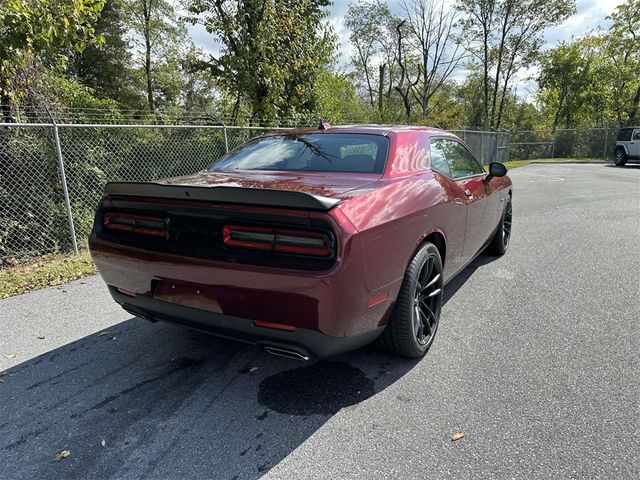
(487, 146)
(52, 175)
(586, 143)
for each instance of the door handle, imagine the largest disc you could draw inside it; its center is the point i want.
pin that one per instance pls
(468, 193)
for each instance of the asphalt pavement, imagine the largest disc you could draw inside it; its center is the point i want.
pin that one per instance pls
(536, 362)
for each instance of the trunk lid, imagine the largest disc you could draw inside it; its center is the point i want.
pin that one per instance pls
(338, 186)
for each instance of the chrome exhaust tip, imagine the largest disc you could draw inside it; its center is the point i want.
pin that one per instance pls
(284, 352)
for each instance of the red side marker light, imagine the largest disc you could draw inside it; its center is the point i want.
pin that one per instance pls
(378, 299)
(277, 326)
(128, 293)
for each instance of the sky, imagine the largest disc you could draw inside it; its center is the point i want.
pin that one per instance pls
(591, 14)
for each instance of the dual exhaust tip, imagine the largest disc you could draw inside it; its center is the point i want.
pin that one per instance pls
(280, 351)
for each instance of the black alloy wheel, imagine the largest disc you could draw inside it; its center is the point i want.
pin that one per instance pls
(414, 323)
(506, 225)
(427, 302)
(500, 241)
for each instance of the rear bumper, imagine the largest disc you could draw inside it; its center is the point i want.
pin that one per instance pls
(306, 342)
(328, 312)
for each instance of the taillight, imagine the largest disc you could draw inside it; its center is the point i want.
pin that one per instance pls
(304, 243)
(277, 240)
(139, 224)
(258, 238)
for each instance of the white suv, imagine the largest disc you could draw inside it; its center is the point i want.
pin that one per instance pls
(627, 146)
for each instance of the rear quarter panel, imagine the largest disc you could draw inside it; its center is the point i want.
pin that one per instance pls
(409, 204)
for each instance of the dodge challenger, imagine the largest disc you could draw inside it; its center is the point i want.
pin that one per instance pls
(309, 242)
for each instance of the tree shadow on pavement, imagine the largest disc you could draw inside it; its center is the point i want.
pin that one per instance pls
(160, 401)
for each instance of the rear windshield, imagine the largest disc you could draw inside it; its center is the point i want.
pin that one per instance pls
(314, 152)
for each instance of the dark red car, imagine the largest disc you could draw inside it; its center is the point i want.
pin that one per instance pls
(307, 242)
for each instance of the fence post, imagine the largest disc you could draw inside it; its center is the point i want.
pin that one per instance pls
(64, 185)
(553, 146)
(482, 158)
(226, 141)
(606, 140)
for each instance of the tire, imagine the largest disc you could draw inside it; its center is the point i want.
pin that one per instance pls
(620, 157)
(416, 315)
(501, 239)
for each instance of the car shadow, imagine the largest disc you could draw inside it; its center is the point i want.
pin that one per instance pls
(160, 401)
(459, 280)
(634, 166)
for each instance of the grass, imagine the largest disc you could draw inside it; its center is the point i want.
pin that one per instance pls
(44, 272)
(569, 160)
(511, 164)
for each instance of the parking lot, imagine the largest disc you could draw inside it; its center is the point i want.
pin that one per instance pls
(536, 362)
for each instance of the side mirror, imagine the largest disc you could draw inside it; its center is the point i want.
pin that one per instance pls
(497, 170)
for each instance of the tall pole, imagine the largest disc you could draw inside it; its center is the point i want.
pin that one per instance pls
(63, 178)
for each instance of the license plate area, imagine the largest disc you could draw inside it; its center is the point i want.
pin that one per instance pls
(187, 295)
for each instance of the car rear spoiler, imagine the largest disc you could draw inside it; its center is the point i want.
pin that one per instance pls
(224, 194)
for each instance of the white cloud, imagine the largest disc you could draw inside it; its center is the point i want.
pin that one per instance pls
(591, 14)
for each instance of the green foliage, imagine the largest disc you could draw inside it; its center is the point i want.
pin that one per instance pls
(30, 26)
(622, 49)
(160, 38)
(568, 82)
(105, 66)
(33, 33)
(337, 100)
(73, 95)
(272, 52)
(595, 80)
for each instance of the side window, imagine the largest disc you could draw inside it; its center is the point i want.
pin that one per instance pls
(461, 162)
(624, 135)
(636, 135)
(438, 160)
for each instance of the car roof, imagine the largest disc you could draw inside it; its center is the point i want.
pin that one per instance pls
(373, 129)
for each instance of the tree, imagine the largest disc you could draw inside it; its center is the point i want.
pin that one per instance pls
(158, 33)
(337, 100)
(272, 52)
(411, 56)
(105, 66)
(373, 37)
(622, 49)
(405, 83)
(34, 33)
(505, 36)
(431, 28)
(566, 81)
(595, 79)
